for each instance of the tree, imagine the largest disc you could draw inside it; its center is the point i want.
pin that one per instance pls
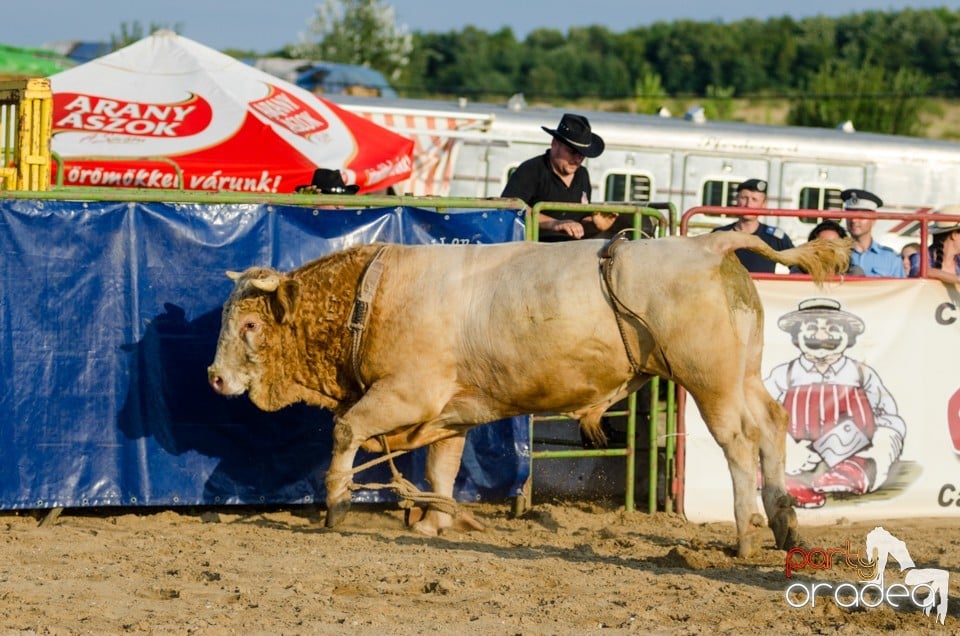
(874, 99)
(134, 31)
(361, 32)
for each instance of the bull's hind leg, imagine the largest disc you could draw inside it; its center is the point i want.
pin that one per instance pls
(735, 430)
(777, 502)
(443, 463)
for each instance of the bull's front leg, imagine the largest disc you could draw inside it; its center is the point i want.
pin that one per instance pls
(339, 476)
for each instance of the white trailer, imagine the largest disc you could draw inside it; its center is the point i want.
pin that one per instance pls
(468, 150)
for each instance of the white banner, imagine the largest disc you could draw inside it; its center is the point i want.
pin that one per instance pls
(868, 372)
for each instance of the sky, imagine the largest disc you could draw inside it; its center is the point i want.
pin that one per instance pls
(263, 26)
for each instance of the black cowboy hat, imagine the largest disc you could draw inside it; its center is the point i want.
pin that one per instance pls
(327, 181)
(574, 130)
(814, 308)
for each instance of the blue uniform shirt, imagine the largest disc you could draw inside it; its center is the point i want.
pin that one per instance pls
(772, 236)
(878, 260)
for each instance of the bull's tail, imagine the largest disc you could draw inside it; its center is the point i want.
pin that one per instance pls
(820, 258)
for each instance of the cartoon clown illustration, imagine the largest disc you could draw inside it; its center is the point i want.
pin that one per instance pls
(844, 432)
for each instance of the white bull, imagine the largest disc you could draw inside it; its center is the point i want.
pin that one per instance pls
(456, 336)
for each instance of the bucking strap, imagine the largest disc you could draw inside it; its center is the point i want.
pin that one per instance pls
(366, 289)
(606, 264)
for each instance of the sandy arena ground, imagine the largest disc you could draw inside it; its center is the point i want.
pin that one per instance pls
(559, 569)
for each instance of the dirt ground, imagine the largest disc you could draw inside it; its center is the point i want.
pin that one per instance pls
(558, 569)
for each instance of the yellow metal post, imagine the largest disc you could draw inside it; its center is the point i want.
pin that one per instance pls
(26, 108)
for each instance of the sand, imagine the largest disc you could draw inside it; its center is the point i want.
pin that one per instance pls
(561, 568)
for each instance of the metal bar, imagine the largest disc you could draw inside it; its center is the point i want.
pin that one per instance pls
(629, 495)
(671, 445)
(653, 451)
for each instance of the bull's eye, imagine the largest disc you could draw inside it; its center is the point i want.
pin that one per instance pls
(249, 327)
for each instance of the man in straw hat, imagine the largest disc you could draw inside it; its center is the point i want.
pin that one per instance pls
(845, 432)
(945, 251)
(559, 175)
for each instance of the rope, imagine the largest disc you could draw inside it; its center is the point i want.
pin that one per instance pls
(400, 484)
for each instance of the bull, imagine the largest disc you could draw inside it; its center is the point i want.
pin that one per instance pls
(411, 346)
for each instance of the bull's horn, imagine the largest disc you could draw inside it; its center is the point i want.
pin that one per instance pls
(268, 284)
(234, 276)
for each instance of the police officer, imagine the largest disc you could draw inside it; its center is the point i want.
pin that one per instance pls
(872, 257)
(752, 193)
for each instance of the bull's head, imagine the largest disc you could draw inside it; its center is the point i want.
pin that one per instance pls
(250, 354)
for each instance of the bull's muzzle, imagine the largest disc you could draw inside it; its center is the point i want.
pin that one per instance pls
(216, 380)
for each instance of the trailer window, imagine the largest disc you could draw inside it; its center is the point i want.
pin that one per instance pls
(819, 199)
(720, 193)
(629, 188)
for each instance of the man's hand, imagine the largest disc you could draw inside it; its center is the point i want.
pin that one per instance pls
(573, 229)
(604, 220)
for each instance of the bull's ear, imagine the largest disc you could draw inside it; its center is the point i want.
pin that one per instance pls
(287, 298)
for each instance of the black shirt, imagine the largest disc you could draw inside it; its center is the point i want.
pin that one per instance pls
(534, 181)
(772, 236)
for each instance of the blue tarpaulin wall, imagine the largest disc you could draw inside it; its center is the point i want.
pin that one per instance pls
(110, 316)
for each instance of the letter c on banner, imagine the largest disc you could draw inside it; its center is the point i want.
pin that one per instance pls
(945, 499)
(941, 316)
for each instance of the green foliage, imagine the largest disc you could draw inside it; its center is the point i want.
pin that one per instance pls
(650, 94)
(719, 102)
(361, 32)
(872, 98)
(134, 31)
(903, 55)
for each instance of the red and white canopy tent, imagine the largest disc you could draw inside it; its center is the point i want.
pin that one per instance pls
(167, 112)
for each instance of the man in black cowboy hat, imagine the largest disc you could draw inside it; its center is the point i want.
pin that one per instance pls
(558, 175)
(327, 181)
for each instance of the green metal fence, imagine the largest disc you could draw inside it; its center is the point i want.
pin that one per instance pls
(648, 222)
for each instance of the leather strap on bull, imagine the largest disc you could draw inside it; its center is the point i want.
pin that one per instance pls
(619, 308)
(366, 289)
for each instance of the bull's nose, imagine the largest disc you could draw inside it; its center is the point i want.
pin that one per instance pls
(216, 381)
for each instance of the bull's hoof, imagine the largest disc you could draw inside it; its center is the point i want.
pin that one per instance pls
(747, 546)
(336, 513)
(464, 522)
(413, 515)
(786, 536)
(427, 527)
(749, 542)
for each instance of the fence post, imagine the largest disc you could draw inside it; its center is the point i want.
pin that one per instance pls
(26, 113)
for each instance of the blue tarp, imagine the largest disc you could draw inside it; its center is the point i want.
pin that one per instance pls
(109, 319)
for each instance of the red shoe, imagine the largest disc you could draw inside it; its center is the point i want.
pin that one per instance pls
(851, 475)
(804, 495)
